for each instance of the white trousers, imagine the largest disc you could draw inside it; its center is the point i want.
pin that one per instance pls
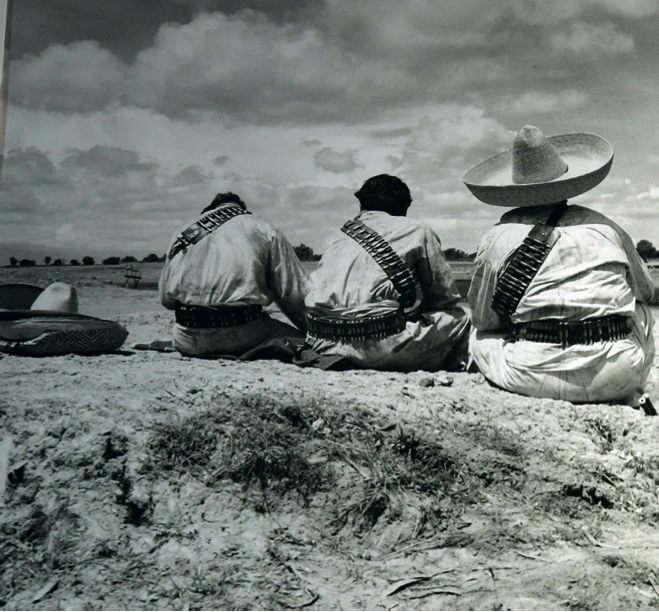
(232, 341)
(614, 371)
(433, 343)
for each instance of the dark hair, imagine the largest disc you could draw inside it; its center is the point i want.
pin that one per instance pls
(386, 193)
(224, 198)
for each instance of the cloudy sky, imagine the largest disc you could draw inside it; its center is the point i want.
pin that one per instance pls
(124, 121)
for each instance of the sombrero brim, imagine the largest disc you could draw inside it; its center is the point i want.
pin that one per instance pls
(587, 156)
(47, 333)
(18, 296)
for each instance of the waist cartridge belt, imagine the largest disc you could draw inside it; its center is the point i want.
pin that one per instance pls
(225, 316)
(367, 328)
(570, 333)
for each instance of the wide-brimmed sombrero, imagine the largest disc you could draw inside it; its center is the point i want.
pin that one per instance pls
(541, 170)
(50, 324)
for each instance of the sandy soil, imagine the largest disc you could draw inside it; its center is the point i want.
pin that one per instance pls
(536, 504)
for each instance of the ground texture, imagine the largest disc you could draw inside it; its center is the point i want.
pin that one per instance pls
(144, 480)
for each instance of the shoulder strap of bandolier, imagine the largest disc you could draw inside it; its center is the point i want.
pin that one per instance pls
(384, 255)
(525, 263)
(200, 229)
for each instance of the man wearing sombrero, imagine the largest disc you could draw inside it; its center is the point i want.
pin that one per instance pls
(559, 294)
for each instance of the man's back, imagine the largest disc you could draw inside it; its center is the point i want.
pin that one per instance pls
(242, 262)
(225, 267)
(593, 270)
(349, 277)
(384, 296)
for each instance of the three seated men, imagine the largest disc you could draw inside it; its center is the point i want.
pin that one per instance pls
(558, 300)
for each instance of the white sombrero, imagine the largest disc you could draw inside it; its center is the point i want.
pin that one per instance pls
(541, 170)
(51, 325)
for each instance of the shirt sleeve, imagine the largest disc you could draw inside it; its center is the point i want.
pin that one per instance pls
(639, 278)
(435, 275)
(289, 280)
(165, 296)
(481, 291)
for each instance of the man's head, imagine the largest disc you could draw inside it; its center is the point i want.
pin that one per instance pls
(386, 193)
(224, 198)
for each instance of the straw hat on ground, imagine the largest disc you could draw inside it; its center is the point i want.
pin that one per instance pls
(51, 325)
(541, 170)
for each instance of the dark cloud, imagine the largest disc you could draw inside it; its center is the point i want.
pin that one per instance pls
(100, 197)
(123, 26)
(221, 160)
(335, 62)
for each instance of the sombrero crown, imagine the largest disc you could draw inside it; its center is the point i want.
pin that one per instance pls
(541, 170)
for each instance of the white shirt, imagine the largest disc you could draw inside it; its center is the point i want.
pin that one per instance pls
(593, 270)
(245, 261)
(349, 277)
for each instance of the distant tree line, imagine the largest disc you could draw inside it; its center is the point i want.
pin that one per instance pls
(452, 254)
(646, 250)
(305, 253)
(86, 261)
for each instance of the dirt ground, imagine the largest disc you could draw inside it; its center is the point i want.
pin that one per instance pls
(149, 481)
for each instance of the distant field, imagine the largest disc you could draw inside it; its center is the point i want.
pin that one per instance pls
(114, 275)
(461, 269)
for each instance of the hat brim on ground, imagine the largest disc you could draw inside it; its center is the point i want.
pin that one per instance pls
(44, 333)
(588, 157)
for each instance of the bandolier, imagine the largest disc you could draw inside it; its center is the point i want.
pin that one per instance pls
(516, 278)
(200, 229)
(373, 327)
(525, 263)
(205, 316)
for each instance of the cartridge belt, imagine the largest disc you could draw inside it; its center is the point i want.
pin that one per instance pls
(222, 316)
(570, 333)
(384, 255)
(525, 264)
(363, 328)
(205, 226)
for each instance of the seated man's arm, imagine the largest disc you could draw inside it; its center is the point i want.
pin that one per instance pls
(289, 280)
(435, 275)
(639, 277)
(481, 290)
(165, 299)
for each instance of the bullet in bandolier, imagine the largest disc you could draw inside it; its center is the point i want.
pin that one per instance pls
(515, 283)
(513, 272)
(511, 286)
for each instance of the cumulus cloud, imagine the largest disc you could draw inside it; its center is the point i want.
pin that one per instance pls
(591, 41)
(91, 198)
(443, 147)
(652, 193)
(334, 161)
(80, 77)
(536, 102)
(337, 65)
